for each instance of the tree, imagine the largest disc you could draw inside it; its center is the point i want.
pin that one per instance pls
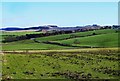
(10, 38)
(94, 34)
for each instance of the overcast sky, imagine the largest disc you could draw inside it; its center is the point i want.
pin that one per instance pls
(24, 14)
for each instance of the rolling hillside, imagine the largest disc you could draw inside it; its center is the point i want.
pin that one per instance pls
(74, 35)
(104, 40)
(97, 38)
(37, 59)
(29, 45)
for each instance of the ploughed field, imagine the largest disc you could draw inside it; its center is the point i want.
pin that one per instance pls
(99, 64)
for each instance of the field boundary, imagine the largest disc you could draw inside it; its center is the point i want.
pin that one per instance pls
(86, 50)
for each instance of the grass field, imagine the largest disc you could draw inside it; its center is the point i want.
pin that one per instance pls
(103, 38)
(30, 45)
(63, 36)
(62, 65)
(27, 59)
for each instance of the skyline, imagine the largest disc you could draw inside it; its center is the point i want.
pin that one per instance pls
(24, 14)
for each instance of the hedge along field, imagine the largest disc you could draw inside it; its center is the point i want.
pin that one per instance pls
(55, 65)
(16, 33)
(103, 40)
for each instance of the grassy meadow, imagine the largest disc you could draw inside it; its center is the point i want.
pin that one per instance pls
(28, 59)
(102, 38)
(62, 65)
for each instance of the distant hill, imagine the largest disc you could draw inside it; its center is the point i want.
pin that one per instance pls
(12, 29)
(29, 28)
(81, 28)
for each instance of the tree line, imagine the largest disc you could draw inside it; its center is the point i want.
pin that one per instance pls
(11, 38)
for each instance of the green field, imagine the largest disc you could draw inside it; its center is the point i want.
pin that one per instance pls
(55, 65)
(35, 59)
(63, 36)
(102, 38)
(30, 46)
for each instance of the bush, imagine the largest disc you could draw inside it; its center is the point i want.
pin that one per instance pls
(94, 34)
(76, 41)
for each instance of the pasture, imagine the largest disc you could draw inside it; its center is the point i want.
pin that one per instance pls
(102, 38)
(74, 35)
(95, 64)
(30, 45)
(36, 59)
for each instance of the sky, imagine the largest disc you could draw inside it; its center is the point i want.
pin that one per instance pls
(24, 14)
(60, 0)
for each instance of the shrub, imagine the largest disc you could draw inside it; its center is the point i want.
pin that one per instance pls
(94, 34)
(76, 41)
